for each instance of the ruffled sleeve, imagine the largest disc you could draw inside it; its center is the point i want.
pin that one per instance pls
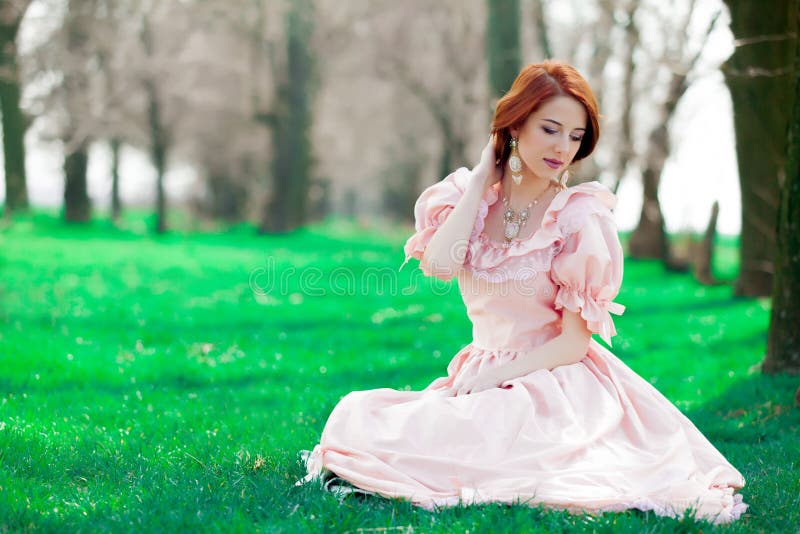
(433, 207)
(588, 268)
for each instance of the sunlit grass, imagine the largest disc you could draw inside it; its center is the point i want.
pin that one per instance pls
(146, 386)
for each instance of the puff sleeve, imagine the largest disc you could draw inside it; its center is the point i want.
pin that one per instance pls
(433, 207)
(588, 268)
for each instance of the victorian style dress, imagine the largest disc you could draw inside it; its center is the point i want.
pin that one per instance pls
(592, 436)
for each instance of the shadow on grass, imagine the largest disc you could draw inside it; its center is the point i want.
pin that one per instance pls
(755, 425)
(755, 410)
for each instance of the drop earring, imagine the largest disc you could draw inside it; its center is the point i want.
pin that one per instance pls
(514, 161)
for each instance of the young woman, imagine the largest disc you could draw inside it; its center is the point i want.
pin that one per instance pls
(533, 410)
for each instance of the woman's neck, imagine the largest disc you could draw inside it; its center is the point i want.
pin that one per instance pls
(531, 187)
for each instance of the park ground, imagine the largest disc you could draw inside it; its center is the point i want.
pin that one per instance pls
(167, 383)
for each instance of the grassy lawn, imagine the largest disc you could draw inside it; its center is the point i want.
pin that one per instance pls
(144, 385)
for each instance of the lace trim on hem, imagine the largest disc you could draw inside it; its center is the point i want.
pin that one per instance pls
(732, 505)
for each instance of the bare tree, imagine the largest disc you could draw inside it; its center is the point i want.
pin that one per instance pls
(783, 342)
(14, 122)
(105, 49)
(160, 137)
(76, 25)
(624, 150)
(502, 44)
(159, 76)
(680, 58)
(539, 13)
(443, 82)
(759, 76)
(290, 122)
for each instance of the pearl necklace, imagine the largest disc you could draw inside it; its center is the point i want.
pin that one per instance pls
(515, 220)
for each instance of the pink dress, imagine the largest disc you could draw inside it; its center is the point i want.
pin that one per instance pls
(591, 436)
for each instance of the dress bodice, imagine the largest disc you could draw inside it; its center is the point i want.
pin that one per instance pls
(515, 294)
(515, 314)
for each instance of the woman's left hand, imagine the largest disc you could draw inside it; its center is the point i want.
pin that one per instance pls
(488, 379)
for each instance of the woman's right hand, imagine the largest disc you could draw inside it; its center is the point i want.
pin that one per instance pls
(486, 171)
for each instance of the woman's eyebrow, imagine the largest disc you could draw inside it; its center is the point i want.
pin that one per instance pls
(556, 122)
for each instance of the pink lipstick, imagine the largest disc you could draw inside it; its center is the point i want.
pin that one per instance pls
(552, 163)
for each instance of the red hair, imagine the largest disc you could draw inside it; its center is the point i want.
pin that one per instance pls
(536, 84)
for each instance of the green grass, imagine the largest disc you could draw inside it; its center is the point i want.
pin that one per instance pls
(145, 386)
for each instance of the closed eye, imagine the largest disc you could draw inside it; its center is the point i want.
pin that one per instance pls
(577, 138)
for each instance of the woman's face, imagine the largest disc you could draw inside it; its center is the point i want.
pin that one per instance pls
(551, 136)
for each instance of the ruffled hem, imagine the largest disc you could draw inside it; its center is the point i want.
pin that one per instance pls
(731, 508)
(720, 506)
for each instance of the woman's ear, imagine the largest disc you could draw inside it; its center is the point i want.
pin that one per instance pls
(514, 132)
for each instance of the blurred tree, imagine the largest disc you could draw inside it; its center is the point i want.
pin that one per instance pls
(542, 31)
(403, 176)
(759, 76)
(704, 250)
(437, 61)
(624, 150)
(783, 342)
(77, 20)
(159, 134)
(73, 70)
(392, 72)
(14, 122)
(116, 204)
(680, 57)
(106, 71)
(291, 123)
(160, 77)
(605, 35)
(91, 52)
(502, 44)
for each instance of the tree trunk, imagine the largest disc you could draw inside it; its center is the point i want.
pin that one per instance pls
(649, 239)
(13, 120)
(77, 207)
(502, 42)
(624, 150)
(542, 33)
(453, 145)
(159, 142)
(158, 153)
(76, 196)
(227, 197)
(704, 257)
(759, 76)
(116, 205)
(783, 341)
(292, 162)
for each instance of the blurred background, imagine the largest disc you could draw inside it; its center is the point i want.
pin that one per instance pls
(351, 108)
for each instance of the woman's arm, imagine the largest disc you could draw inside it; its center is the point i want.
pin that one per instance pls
(447, 249)
(568, 347)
